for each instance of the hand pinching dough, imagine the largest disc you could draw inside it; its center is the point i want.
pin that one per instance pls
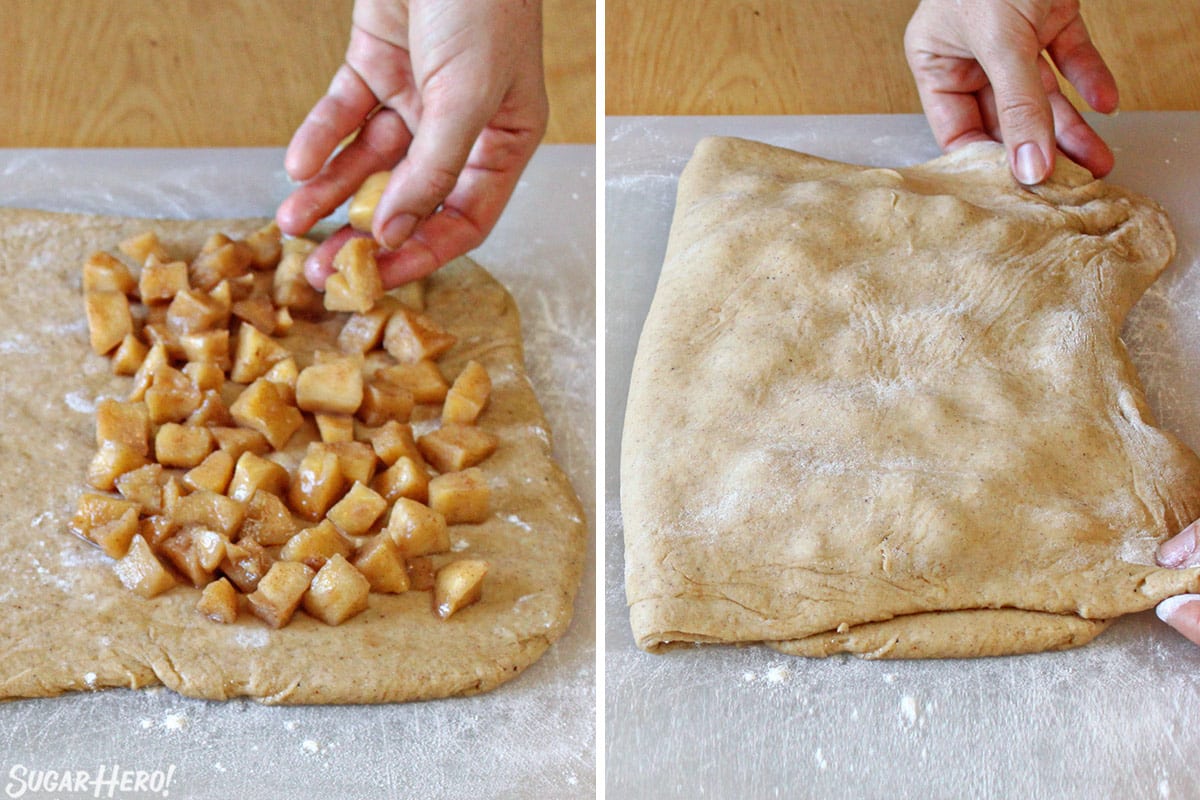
(888, 412)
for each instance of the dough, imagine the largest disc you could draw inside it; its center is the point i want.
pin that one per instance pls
(69, 624)
(888, 412)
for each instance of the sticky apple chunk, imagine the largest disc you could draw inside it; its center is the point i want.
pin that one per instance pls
(338, 592)
(279, 592)
(458, 585)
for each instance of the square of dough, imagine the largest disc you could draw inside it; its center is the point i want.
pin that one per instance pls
(68, 622)
(888, 412)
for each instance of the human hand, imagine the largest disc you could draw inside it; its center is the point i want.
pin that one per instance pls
(449, 93)
(981, 74)
(1181, 612)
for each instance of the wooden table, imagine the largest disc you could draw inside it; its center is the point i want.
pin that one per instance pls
(195, 73)
(847, 56)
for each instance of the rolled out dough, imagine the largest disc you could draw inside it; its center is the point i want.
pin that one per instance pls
(69, 624)
(888, 412)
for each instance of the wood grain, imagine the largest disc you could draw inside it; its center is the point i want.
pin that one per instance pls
(192, 73)
(823, 57)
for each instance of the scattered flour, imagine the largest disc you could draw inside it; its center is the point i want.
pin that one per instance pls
(80, 402)
(310, 746)
(908, 709)
(252, 637)
(175, 722)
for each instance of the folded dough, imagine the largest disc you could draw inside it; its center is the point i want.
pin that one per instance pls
(69, 624)
(888, 412)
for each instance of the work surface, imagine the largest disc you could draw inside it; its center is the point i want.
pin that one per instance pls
(533, 737)
(1113, 719)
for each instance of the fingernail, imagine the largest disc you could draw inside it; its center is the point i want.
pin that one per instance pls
(1031, 167)
(397, 229)
(1167, 608)
(1176, 550)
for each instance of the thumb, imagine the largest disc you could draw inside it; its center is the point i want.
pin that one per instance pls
(1011, 61)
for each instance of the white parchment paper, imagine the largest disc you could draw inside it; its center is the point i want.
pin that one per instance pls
(531, 738)
(1118, 718)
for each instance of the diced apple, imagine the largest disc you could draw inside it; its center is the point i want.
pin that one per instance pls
(468, 396)
(256, 353)
(245, 563)
(260, 408)
(404, 478)
(393, 440)
(362, 205)
(332, 387)
(205, 376)
(410, 337)
(207, 346)
(178, 445)
(114, 536)
(266, 246)
(338, 592)
(258, 310)
(129, 355)
(364, 331)
(210, 510)
(458, 585)
(144, 487)
(462, 497)
(142, 246)
(268, 521)
(424, 379)
(171, 396)
(160, 281)
(193, 311)
(284, 374)
(211, 474)
(318, 483)
(254, 473)
(383, 401)
(103, 273)
(228, 260)
(111, 461)
(141, 571)
(219, 602)
(454, 447)
(417, 530)
(236, 441)
(355, 286)
(357, 511)
(356, 459)
(335, 427)
(381, 564)
(126, 423)
(280, 592)
(109, 319)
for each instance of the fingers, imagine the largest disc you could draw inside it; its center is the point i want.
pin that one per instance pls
(1180, 550)
(1078, 140)
(319, 264)
(380, 143)
(430, 169)
(1022, 108)
(1081, 64)
(335, 116)
(1182, 613)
